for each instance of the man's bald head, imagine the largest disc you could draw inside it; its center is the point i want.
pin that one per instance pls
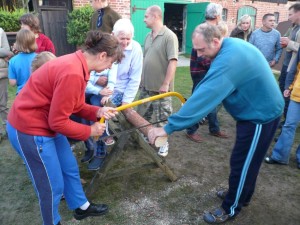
(156, 11)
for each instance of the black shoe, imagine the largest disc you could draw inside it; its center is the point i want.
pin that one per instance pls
(88, 155)
(58, 223)
(92, 210)
(269, 160)
(96, 163)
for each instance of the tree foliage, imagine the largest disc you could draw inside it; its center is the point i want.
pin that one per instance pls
(78, 25)
(9, 21)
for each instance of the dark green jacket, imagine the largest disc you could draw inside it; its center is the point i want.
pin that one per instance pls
(108, 20)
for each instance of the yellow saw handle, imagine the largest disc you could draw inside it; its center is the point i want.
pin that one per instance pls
(160, 140)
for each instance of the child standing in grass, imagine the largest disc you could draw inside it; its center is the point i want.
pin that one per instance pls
(19, 65)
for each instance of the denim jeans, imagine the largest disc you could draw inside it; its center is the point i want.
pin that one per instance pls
(213, 123)
(282, 148)
(96, 100)
(90, 144)
(281, 81)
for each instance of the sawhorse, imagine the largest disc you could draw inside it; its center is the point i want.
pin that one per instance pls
(104, 172)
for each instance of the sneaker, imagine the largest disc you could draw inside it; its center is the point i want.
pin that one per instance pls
(269, 160)
(163, 150)
(92, 210)
(109, 141)
(216, 216)
(96, 163)
(88, 155)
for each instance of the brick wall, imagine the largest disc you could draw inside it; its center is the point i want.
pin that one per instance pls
(80, 3)
(123, 7)
(261, 8)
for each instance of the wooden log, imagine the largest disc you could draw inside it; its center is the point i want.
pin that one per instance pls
(137, 121)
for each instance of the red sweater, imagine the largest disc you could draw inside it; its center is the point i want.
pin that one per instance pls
(44, 44)
(52, 93)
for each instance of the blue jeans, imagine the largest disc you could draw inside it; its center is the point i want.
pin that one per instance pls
(91, 144)
(96, 100)
(281, 81)
(53, 170)
(283, 147)
(213, 124)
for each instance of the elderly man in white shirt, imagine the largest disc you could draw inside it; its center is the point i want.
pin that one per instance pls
(128, 77)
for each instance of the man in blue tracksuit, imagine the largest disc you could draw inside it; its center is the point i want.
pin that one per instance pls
(241, 79)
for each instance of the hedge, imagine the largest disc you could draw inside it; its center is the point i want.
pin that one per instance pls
(9, 21)
(78, 25)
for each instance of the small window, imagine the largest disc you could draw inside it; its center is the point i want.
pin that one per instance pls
(276, 14)
(62, 3)
(224, 14)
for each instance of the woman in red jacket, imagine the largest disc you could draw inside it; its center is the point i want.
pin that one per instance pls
(31, 22)
(38, 123)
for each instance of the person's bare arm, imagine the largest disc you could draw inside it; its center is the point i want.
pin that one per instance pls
(12, 82)
(169, 76)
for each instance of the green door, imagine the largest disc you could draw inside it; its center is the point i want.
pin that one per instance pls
(195, 14)
(250, 11)
(138, 9)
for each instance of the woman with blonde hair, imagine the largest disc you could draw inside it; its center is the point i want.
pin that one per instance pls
(243, 29)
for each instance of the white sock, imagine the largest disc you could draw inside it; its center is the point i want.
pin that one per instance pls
(85, 206)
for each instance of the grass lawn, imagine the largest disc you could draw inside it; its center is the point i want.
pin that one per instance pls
(183, 85)
(148, 197)
(11, 94)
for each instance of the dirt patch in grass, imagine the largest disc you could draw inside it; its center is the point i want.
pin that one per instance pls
(149, 198)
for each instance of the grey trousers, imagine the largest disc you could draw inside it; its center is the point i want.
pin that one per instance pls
(3, 103)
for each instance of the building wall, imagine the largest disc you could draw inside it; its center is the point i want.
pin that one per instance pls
(123, 7)
(262, 8)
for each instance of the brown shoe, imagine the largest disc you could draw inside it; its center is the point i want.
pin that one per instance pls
(219, 134)
(195, 137)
